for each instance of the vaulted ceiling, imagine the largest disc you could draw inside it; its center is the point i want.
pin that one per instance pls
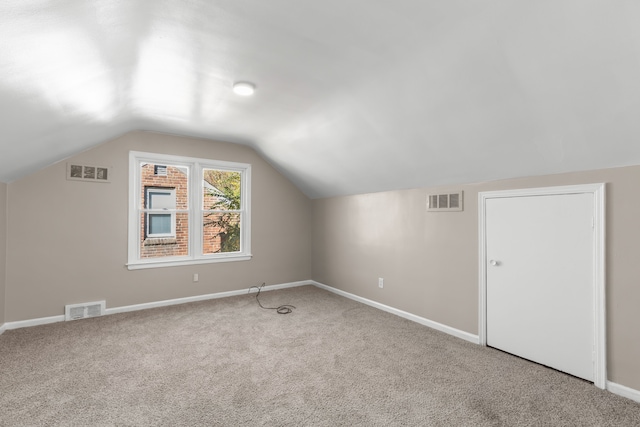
(352, 96)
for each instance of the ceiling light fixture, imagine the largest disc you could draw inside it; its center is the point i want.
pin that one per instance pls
(244, 88)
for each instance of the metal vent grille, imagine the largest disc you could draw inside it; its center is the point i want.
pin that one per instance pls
(444, 202)
(160, 170)
(84, 310)
(88, 173)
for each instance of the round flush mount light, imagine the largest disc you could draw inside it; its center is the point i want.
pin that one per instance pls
(244, 88)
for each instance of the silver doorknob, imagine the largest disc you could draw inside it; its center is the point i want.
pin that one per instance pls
(494, 263)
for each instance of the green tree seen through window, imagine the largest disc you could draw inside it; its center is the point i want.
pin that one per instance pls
(224, 191)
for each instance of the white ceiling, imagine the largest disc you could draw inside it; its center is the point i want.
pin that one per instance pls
(352, 96)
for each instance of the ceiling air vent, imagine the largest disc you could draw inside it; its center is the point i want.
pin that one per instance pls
(444, 202)
(84, 310)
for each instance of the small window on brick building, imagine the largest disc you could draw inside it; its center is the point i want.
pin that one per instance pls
(160, 217)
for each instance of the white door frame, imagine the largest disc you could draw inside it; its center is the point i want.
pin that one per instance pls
(598, 192)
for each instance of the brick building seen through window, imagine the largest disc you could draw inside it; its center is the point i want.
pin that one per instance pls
(165, 229)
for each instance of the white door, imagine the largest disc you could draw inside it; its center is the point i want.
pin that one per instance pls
(540, 279)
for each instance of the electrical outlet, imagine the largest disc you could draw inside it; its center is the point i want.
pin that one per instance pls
(380, 282)
(195, 277)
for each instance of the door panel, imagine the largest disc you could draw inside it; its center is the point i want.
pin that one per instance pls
(540, 290)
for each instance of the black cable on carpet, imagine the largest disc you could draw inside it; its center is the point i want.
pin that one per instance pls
(282, 309)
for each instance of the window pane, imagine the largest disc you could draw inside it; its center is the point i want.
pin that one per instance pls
(159, 224)
(159, 199)
(158, 244)
(221, 232)
(221, 189)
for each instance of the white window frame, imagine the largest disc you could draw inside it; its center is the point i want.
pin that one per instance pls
(195, 167)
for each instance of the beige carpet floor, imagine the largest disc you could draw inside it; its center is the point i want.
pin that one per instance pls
(332, 362)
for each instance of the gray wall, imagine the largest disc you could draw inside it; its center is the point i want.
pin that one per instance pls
(3, 247)
(68, 239)
(430, 260)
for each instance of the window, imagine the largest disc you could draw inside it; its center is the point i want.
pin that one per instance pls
(194, 211)
(160, 224)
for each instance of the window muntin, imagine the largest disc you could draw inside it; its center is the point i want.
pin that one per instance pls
(160, 230)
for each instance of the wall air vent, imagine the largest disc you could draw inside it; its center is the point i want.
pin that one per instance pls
(160, 170)
(88, 173)
(84, 310)
(444, 202)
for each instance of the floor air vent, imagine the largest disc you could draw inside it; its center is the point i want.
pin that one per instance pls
(84, 310)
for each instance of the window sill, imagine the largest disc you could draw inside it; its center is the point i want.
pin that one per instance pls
(139, 265)
(160, 241)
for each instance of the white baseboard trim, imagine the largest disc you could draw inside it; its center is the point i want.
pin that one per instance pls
(623, 391)
(33, 322)
(421, 320)
(185, 300)
(2, 329)
(54, 319)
